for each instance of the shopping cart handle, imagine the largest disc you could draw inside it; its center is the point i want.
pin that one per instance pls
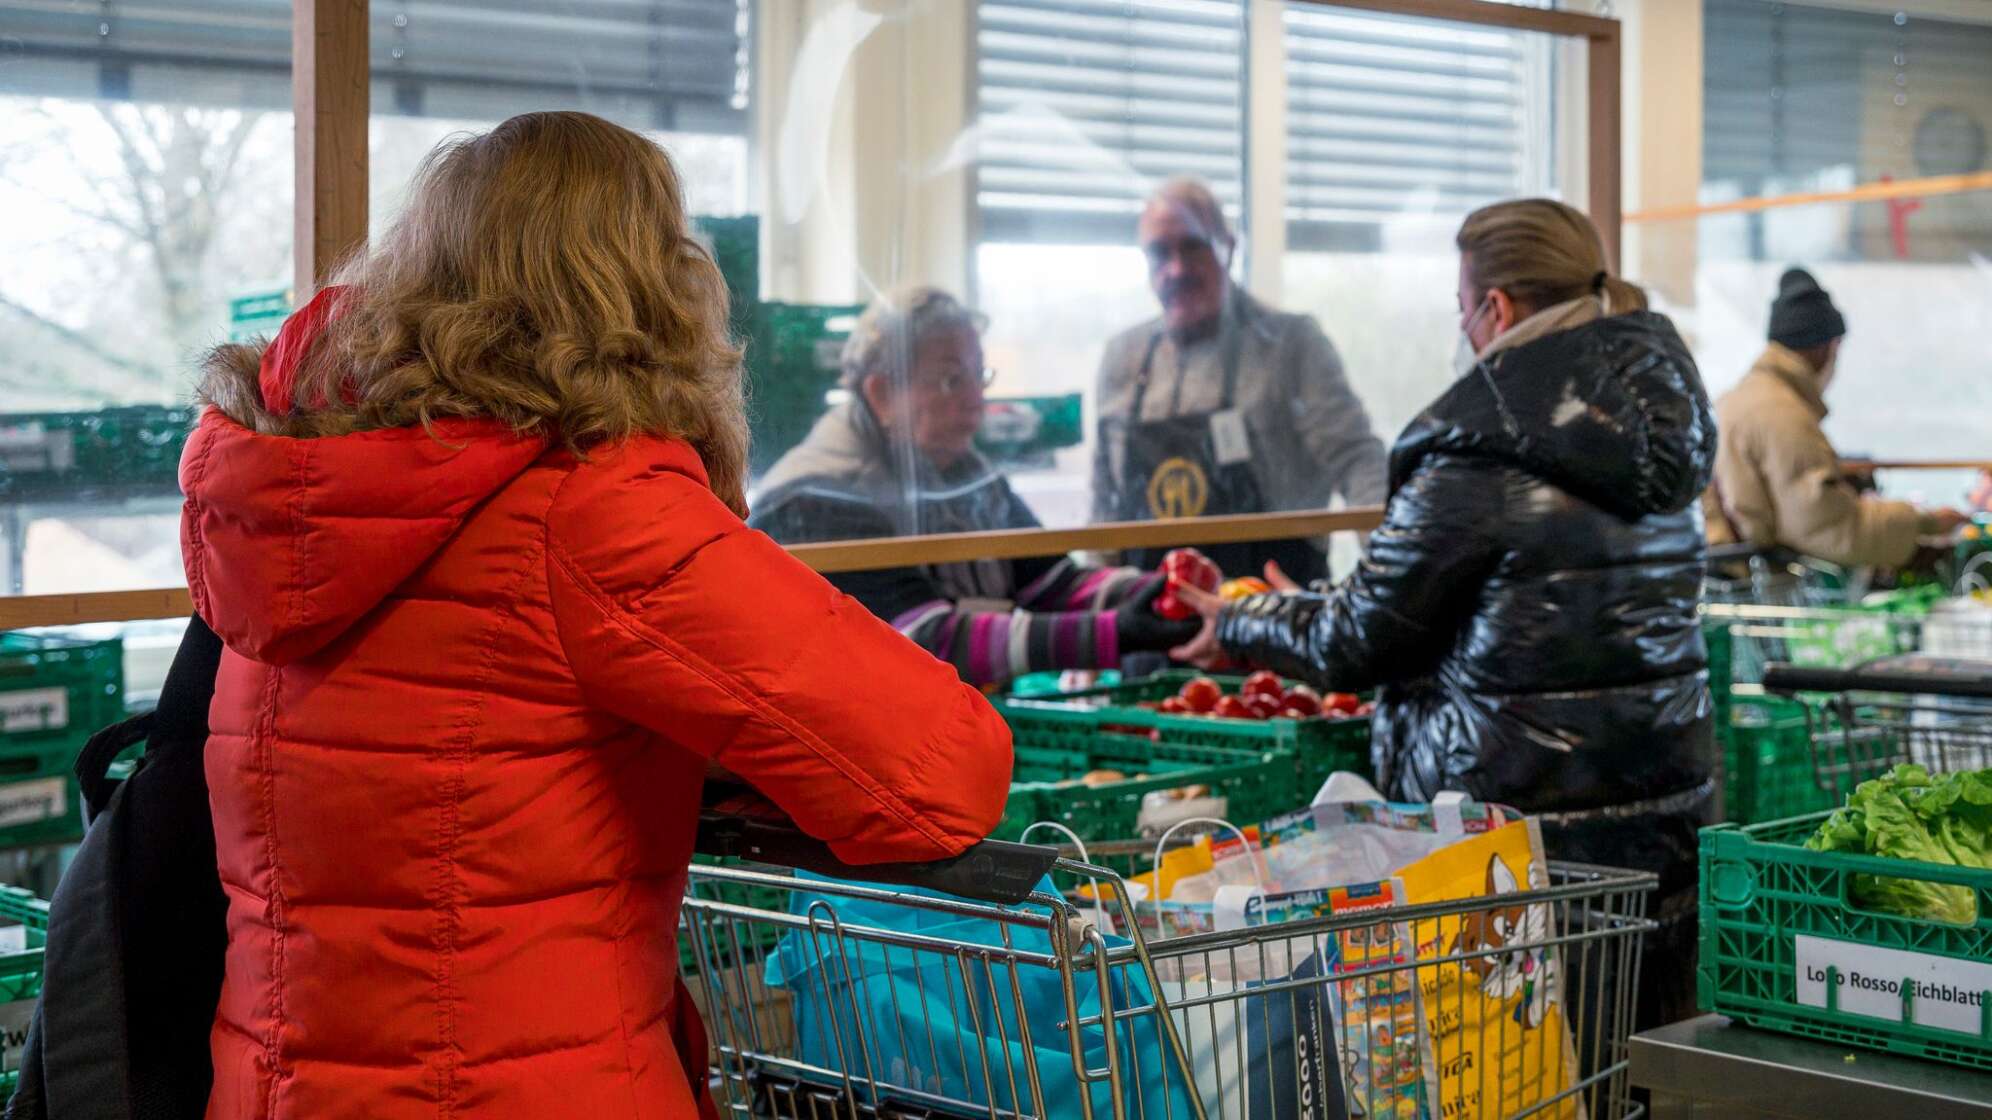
(1783, 679)
(991, 871)
(1913, 674)
(1724, 553)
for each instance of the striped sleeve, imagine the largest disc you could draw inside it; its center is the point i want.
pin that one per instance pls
(1070, 586)
(990, 647)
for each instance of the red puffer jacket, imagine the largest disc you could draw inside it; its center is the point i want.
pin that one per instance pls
(471, 688)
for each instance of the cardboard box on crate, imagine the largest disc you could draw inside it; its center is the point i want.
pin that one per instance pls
(55, 692)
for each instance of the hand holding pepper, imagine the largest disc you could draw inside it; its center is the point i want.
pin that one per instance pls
(1203, 650)
(1142, 626)
(1185, 567)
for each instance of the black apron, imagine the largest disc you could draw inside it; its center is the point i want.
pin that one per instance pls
(1171, 469)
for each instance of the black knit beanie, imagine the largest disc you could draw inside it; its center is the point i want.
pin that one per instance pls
(1803, 315)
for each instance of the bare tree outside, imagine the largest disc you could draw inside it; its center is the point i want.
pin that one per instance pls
(131, 225)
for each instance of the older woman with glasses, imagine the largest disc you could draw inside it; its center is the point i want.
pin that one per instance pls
(898, 458)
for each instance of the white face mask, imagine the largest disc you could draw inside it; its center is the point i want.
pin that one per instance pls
(1465, 356)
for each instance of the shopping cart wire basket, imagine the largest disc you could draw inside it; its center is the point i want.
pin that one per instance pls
(1935, 712)
(1056, 1005)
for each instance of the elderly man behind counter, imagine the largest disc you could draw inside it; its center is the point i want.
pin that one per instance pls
(1223, 405)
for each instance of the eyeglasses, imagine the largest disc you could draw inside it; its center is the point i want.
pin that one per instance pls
(1191, 249)
(954, 379)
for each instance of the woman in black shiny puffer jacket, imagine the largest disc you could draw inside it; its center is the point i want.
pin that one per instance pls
(1527, 610)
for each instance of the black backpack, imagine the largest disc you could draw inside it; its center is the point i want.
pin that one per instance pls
(137, 928)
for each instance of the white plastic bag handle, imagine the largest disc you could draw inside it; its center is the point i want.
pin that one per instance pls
(1251, 854)
(1343, 786)
(1449, 814)
(1100, 917)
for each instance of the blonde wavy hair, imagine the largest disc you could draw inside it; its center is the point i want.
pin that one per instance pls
(542, 274)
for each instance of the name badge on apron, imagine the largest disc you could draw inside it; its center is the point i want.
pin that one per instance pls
(1229, 441)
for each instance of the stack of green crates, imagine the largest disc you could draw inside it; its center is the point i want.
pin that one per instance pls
(1768, 758)
(793, 351)
(1304, 751)
(67, 453)
(23, 933)
(794, 359)
(55, 692)
(1774, 914)
(1768, 770)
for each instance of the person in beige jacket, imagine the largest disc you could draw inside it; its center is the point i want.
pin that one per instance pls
(1778, 481)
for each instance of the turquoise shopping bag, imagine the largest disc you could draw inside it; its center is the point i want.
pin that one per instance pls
(958, 1021)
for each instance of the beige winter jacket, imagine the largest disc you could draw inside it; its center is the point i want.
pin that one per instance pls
(1778, 482)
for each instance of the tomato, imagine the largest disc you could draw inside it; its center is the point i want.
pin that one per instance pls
(1262, 706)
(1344, 703)
(1296, 713)
(1174, 706)
(1263, 683)
(1231, 707)
(1201, 694)
(1365, 710)
(1302, 699)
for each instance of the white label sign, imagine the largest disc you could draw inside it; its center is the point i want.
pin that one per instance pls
(13, 939)
(1948, 993)
(14, 1031)
(34, 709)
(43, 799)
(1229, 440)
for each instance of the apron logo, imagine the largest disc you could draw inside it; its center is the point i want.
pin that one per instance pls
(1178, 488)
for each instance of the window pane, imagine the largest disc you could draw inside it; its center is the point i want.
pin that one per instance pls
(1803, 98)
(676, 71)
(1084, 107)
(145, 171)
(1396, 129)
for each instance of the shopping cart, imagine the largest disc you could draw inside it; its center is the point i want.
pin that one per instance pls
(1299, 1019)
(1751, 575)
(1838, 637)
(1932, 711)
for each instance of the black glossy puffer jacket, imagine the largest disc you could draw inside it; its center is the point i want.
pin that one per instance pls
(1528, 608)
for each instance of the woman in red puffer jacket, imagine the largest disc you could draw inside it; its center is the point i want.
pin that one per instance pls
(470, 528)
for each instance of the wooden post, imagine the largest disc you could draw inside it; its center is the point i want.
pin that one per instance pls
(1606, 133)
(329, 71)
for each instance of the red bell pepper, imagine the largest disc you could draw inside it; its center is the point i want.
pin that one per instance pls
(1181, 566)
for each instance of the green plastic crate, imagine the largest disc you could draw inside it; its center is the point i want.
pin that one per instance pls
(1761, 890)
(39, 799)
(1318, 747)
(56, 689)
(1768, 763)
(55, 692)
(1254, 784)
(20, 975)
(1721, 667)
(793, 361)
(64, 454)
